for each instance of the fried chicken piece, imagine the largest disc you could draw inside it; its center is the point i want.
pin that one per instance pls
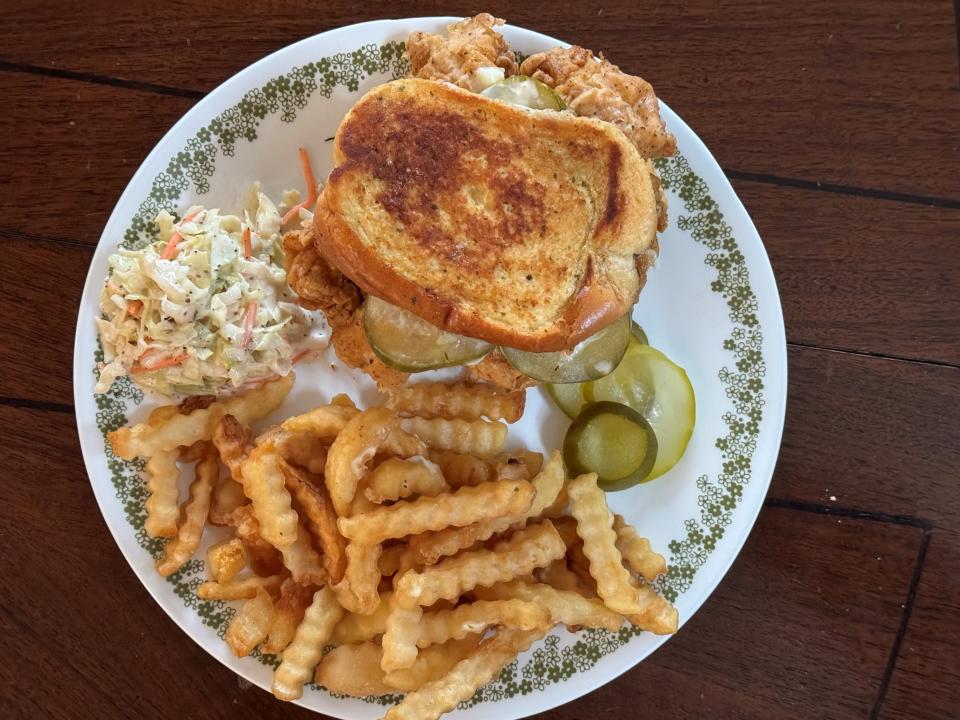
(495, 370)
(599, 89)
(319, 285)
(470, 44)
(350, 343)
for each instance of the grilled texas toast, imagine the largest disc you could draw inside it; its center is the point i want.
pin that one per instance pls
(523, 228)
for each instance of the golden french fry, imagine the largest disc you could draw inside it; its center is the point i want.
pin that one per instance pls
(464, 400)
(391, 558)
(525, 550)
(325, 422)
(265, 559)
(231, 438)
(656, 615)
(460, 469)
(440, 696)
(595, 528)
(354, 628)
(251, 624)
(303, 653)
(532, 462)
(180, 549)
(193, 453)
(239, 588)
(432, 663)
(353, 670)
(558, 575)
(456, 624)
(479, 437)
(466, 506)
(400, 637)
(227, 497)
(357, 592)
(567, 527)
(226, 559)
(175, 429)
(395, 478)
(162, 505)
(288, 613)
(565, 607)
(343, 400)
(636, 551)
(429, 547)
(306, 451)
(303, 561)
(320, 517)
(263, 483)
(354, 447)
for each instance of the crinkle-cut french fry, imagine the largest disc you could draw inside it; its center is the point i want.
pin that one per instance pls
(357, 592)
(656, 614)
(305, 451)
(193, 453)
(579, 565)
(476, 670)
(263, 483)
(354, 628)
(162, 505)
(479, 437)
(429, 547)
(456, 624)
(400, 637)
(305, 650)
(343, 400)
(391, 558)
(567, 527)
(265, 559)
(525, 550)
(561, 577)
(146, 439)
(353, 670)
(565, 607)
(231, 438)
(288, 613)
(527, 459)
(180, 549)
(303, 561)
(636, 551)
(325, 422)
(395, 478)
(239, 588)
(466, 506)
(251, 624)
(319, 517)
(353, 448)
(595, 528)
(227, 497)
(226, 559)
(464, 400)
(460, 469)
(432, 663)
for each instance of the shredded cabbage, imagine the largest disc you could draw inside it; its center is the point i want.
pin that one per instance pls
(182, 325)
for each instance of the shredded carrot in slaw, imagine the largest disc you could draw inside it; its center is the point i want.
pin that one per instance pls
(165, 362)
(311, 181)
(247, 248)
(171, 247)
(248, 320)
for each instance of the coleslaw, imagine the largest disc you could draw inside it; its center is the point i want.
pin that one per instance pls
(206, 307)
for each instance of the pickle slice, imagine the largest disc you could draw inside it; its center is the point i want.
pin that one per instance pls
(612, 440)
(638, 333)
(525, 91)
(659, 389)
(592, 358)
(409, 343)
(568, 397)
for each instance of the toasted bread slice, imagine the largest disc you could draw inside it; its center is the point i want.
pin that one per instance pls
(523, 228)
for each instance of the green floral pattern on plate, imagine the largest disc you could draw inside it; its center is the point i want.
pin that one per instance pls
(554, 661)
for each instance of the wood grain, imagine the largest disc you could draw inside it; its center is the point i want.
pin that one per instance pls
(853, 93)
(783, 586)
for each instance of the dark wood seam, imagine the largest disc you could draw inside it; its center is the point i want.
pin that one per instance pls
(42, 405)
(878, 356)
(852, 513)
(904, 623)
(96, 79)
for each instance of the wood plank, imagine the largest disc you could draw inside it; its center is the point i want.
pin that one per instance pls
(926, 683)
(739, 656)
(854, 93)
(45, 279)
(862, 274)
(73, 148)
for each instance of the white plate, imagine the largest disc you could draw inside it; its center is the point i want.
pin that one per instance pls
(711, 304)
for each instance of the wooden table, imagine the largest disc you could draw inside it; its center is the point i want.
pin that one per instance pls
(838, 123)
